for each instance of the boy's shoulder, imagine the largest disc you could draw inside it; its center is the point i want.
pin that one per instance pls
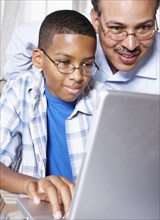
(24, 81)
(34, 76)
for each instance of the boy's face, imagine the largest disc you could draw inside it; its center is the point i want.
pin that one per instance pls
(67, 48)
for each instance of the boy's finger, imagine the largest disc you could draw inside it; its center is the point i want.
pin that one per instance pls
(32, 190)
(63, 191)
(54, 200)
(70, 184)
(56, 208)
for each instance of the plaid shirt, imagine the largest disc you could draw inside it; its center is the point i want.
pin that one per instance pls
(24, 125)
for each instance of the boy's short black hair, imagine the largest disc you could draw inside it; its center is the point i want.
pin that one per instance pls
(64, 22)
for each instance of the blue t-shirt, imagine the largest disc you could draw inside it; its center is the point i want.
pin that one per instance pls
(58, 162)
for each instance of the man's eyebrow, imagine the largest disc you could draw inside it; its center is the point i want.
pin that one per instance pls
(114, 22)
(146, 22)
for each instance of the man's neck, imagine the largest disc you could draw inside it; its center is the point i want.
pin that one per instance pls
(114, 70)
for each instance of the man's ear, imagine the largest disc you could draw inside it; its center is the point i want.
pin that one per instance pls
(37, 58)
(94, 19)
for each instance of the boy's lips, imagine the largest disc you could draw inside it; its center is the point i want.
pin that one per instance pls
(73, 90)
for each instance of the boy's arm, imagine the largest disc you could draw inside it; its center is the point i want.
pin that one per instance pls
(12, 181)
(57, 190)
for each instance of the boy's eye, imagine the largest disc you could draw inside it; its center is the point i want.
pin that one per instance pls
(63, 63)
(88, 65)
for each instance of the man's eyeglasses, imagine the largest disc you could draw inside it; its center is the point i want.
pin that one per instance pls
(118, 34)
(65, 67)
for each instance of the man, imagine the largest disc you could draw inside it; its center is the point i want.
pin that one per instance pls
(128, 51)
(129, 55)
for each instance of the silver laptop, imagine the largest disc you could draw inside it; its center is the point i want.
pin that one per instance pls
(120, 176)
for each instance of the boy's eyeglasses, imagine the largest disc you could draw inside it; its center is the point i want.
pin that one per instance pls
(87, 69)
(141, 34)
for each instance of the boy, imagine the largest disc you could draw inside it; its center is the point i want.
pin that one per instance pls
(45, 116)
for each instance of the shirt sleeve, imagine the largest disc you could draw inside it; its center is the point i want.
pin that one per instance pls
(10, 127)
(19, 49)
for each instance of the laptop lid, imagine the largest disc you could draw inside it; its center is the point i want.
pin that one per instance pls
(120, 176)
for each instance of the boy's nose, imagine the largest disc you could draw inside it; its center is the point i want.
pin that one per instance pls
(76, 75)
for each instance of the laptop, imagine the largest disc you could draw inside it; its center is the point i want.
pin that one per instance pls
(120, 175)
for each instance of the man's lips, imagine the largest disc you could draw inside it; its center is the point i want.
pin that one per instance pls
(128, 58)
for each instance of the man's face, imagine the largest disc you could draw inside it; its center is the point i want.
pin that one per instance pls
(130, 16)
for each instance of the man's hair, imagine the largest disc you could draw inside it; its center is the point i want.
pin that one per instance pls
(97, 9)
(64, 22)
(158, 4)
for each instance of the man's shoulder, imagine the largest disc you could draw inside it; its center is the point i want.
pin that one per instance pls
(157, 41)
(26, 28)
(95, 85)
(92, 89)
(22, 39)
(19, 49)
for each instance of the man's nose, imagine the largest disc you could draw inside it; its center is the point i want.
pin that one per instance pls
(130, 42)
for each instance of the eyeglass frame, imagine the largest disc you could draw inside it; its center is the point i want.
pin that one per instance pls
(156, 29)
(74, 68)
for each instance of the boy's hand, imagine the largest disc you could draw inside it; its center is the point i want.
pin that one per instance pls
(57, 190)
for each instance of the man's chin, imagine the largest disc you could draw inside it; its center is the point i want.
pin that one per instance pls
(123, 68)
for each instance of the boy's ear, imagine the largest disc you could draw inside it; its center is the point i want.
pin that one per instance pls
(37, 58)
